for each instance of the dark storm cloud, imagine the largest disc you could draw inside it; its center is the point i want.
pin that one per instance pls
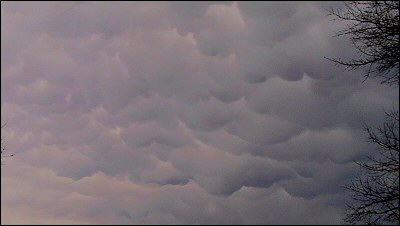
(179, 113)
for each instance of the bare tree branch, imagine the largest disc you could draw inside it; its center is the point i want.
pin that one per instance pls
(373, 28)
(376, 189)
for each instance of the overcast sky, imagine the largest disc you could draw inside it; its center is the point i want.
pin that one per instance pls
(180, 113)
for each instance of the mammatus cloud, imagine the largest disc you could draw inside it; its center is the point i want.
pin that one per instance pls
(179, 113)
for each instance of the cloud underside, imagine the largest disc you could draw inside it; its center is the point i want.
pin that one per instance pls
(179, 113)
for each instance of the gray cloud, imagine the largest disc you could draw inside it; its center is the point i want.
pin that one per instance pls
(179, 113)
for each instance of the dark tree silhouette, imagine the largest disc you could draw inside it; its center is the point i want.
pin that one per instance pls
(373, 28)
(376, 189)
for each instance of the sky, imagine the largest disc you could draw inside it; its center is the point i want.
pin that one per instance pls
(180, 113)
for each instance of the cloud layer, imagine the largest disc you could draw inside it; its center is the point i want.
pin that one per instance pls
(179, 113)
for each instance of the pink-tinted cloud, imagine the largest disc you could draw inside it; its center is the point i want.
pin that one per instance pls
(179, 113)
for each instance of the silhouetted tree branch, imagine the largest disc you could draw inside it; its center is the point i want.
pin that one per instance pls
(373, 28)
(376, 189)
